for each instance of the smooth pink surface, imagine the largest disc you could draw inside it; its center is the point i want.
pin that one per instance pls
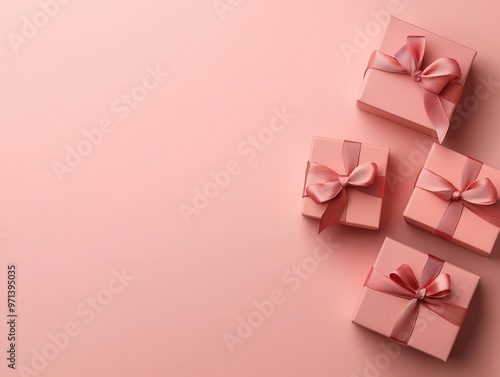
(397, 97)
(119, 207)
(425, 210)
(379, 311)
(363, 210)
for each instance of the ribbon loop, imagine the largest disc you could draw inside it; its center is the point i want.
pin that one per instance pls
(481, 192)
(411, 55)
(438, 80)
(405, 277)
(363, 175)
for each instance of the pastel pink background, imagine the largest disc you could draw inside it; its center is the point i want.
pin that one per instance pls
(119, 207)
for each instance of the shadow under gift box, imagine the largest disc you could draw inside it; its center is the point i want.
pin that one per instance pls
(379, 311)
(398, 98)
(363, 210)
(426, 210)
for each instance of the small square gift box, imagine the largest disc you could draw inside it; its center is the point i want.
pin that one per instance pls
(415, 78)
(344, 183)
(415, 299)
(456, 198)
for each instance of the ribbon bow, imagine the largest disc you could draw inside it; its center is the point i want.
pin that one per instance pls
(323, 184)
(429, 291)
(438, 79)
(478, 195)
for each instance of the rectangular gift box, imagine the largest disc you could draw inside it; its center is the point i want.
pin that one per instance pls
(363, 210)
(426, 210)
(396, 96)
(379, 311)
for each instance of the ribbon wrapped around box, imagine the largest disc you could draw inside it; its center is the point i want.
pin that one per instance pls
(415, 78)
(457, 198)
(344, 183)
(415, 299)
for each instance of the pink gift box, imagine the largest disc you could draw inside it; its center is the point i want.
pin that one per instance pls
(426, 210)
(363, 210)
(380, 311)
(398, 98)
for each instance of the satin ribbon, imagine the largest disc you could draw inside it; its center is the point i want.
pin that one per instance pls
(438, 79)
(428, 291)
(478, 195)
(323, 184)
